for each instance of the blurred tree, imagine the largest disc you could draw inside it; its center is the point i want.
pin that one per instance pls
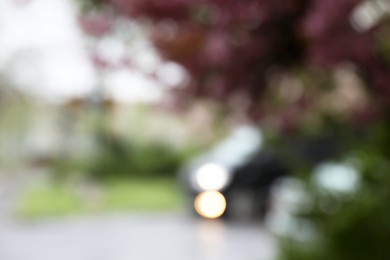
(232, 50)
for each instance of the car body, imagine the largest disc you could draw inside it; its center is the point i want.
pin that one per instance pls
(233, 179)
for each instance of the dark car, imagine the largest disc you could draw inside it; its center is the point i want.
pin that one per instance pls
(233, 180)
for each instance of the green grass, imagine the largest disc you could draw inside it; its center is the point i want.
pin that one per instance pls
(142, 195)
(121, 195)
(49, 201)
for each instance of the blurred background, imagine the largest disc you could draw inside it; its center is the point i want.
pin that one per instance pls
(185, 129)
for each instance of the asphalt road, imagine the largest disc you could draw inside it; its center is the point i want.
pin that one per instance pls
(167, 236)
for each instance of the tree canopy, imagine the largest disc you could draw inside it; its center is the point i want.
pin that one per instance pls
(234, 50)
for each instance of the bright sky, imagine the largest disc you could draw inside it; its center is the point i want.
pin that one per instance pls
(42, 50)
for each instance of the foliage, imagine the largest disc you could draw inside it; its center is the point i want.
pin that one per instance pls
(116, 158)
(232, 48)
(357, 226)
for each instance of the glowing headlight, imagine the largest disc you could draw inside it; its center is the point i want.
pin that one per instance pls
(210, 204)
(212, 176)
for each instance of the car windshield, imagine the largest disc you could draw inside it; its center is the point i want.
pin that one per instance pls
(242, 143)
